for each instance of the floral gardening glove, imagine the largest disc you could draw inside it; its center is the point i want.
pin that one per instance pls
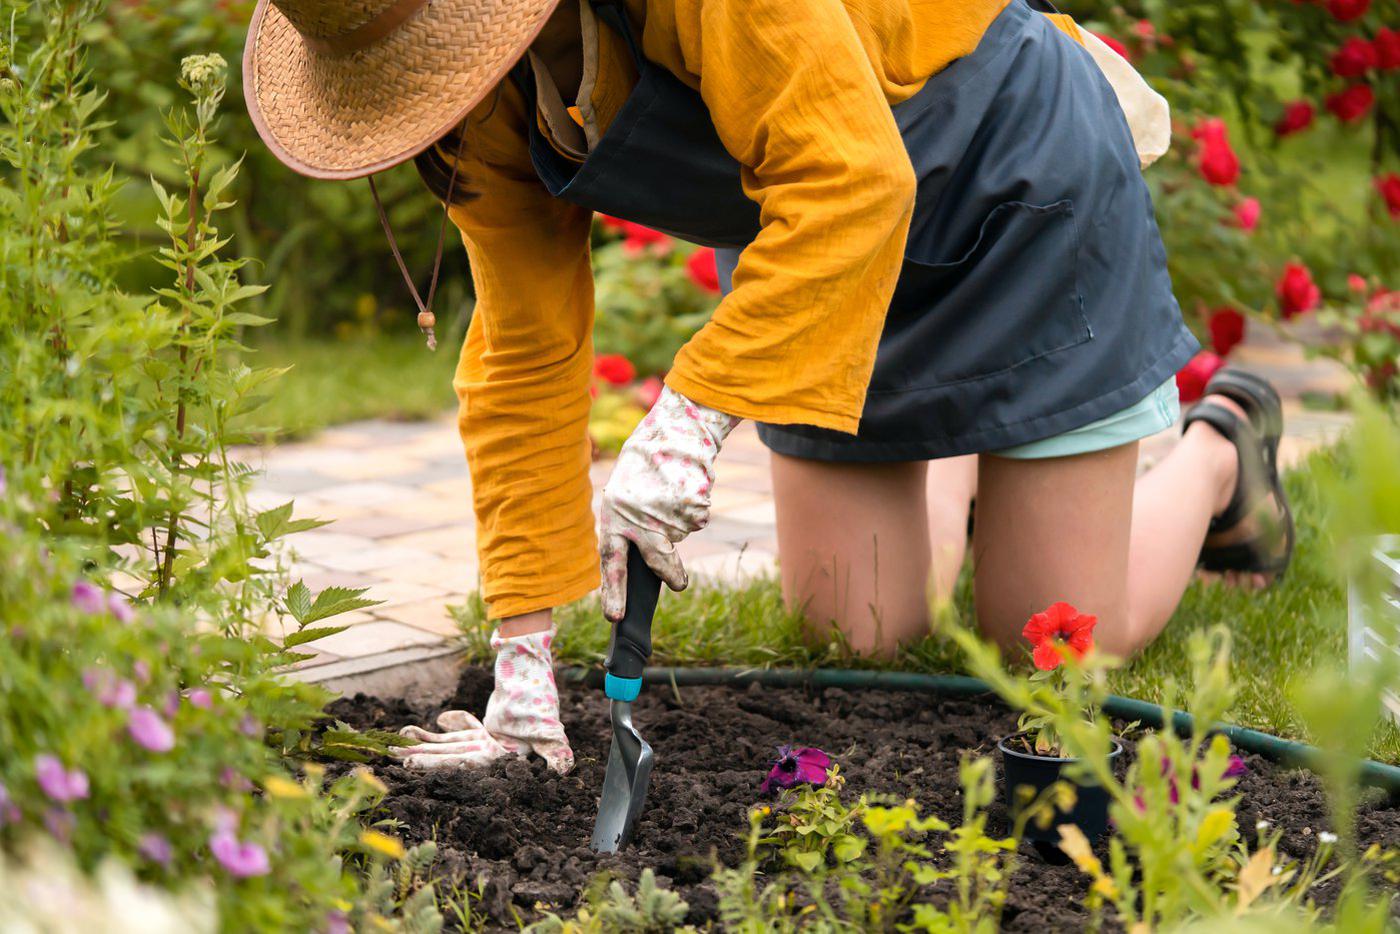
(522, 716)
(659, 492)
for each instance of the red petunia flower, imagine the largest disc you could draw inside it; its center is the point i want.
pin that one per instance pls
(1226, 330)
(1354, 58)
(1192, 378)
(1387, 46)
(701, 269)
(1347, 10)
(614, 369)
(1060, 629)
(639, 237)
(1297, 293)
(1218, 163)
(1247, 214)
(1115, 45)
(612, 223)
(1389, 188)
(1297, 116)
(1352, 104)
(648, 391)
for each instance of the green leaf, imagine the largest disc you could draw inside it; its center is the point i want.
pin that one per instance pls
(336, 600)
(298, 602)
(303, 636)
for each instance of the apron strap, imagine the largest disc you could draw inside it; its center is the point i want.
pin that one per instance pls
(614, 13)
(1043, 6)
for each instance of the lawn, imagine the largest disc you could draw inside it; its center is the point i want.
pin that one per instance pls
(1280, 635)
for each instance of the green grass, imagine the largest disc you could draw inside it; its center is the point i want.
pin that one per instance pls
(330, 382)
(1280, 634)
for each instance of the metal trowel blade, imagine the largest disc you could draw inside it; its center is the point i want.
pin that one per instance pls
(624, 785)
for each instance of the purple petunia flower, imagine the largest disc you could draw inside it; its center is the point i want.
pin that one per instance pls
(172, 705)
(60, 823)
(109, 690)
(229, 778)
(141, 670)
(149, 731)
(155, 848)
(797, 766)
(60, 784)
(242, 860)
(199, 697)
(337, 923)
(88, 598)
(9, 811)
(120, 608)
(249, 726)
(1236, 768)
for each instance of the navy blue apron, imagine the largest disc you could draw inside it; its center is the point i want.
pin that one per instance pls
(1034, 297)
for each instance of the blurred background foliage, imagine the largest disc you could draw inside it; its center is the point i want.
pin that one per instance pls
(1317, 189)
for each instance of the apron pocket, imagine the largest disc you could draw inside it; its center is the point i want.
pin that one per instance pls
(1011, 298)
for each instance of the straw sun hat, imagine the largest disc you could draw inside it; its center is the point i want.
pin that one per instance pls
(345, 88)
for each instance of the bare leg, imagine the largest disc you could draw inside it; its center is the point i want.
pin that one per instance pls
(1079, 529)
(855, 547)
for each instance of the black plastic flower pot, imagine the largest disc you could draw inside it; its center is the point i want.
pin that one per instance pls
(1023, 770)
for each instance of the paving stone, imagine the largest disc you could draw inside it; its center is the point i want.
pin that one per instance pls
(319, 543)
(394, 593)
(452, 541)
(737, 565)
(367, 494)
(379, 525)
(375, 557)
(428, 615)
(374, 637)
(290, 481)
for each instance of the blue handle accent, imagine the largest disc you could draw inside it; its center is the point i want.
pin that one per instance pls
(621, 689)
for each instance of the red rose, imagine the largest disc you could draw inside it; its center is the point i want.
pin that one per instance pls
(701, 269)
(1115, 45)
(1355, 57)
(1145, 30)
(1297, 116)
(1059, 631)
(1192, 378)
(1226, 330)
(612, 223)
(1387, 46)
(648, 391)
(1352, 104)
(1218, 162)
(1348, 10)
(639, 238)
(1297, 293)
(1247, 214)
(1357, 283)
(614, 369)
(1389, 187)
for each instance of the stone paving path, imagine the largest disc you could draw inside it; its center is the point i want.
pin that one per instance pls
(400, 498)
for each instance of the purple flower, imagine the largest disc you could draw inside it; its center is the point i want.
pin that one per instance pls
(337, 923)
(120, 608)
(240, 859)
(9, 811)
(172, 704)
(229, 778)
(201, 698)
(149, 731)
(3, 485)
(805, 765)
(60, 784)
(60, 822)
(155, 848)
(141, 670)
(88, 598)
(1236, 768)
(110, 691)
(250, 726)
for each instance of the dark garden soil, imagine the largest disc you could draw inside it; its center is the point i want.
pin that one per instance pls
(524, 831)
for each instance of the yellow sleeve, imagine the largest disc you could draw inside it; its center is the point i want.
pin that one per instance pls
(523, 378)
(796, 101)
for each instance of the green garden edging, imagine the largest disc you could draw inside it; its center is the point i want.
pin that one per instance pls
(1286, 751)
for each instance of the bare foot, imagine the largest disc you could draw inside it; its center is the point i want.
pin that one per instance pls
(1266, 519)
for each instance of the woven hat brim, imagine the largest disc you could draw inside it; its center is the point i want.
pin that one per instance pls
(351, 115)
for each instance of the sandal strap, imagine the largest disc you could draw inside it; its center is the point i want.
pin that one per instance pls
(1251, 484)
(1257, 396)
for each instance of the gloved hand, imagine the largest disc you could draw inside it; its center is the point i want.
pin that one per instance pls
(659, 492)
(522, 716)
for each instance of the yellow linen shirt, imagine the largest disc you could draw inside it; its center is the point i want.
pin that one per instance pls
(800, 94)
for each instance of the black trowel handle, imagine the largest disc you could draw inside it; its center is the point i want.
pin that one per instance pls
(631, 636)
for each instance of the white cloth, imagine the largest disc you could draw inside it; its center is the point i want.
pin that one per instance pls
(1148, 113)
(659, 492)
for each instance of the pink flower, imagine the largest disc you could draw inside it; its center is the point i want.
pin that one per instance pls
(796, 766)
(88, 598)
(241, 860)
(141, 670)
(60, 784)
(1192, 378)
(200, 697)
(149, 731)
(1226, 330)
(1297, 293)
(9, 811)
(1247, 214)
(649, 390)
(337, 923)
(120, 608)
(155, 848)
